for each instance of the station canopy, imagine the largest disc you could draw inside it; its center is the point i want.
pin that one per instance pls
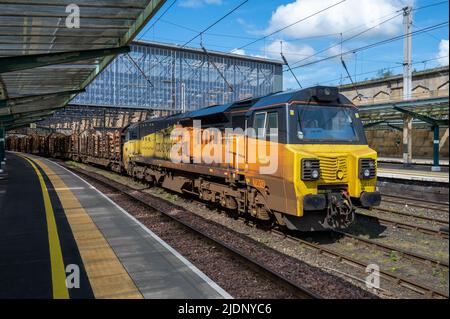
(435, 108)
(45, 61)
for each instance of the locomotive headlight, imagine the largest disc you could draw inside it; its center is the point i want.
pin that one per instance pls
(366, 173)
(310, 169)
(367, 168)
(315, 174)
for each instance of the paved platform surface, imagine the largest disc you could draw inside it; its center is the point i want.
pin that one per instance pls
(55, 227)
(414, 167)
(413, 174)
(418, 161)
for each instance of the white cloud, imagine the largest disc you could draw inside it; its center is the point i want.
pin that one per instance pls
(272, 51)
(238, 51)
(199, 3)
(291, 51)
(335, 49)
(243, 52)
(442, 56)
(352, 14)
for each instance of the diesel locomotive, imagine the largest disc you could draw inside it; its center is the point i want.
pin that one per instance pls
(321, 166)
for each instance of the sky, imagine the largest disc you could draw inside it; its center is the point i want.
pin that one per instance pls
(314, 36)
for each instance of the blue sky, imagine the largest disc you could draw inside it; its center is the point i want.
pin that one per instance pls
(256, 18)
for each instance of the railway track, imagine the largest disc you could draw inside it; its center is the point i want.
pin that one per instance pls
(382, 210)
(414, 202)
(441, 232)
(387, 248)
(298, 290)
(399, 280)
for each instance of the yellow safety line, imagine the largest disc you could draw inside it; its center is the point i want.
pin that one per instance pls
(60, 290)
(107, 276)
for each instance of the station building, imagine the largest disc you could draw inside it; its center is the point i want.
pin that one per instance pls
(172, 78)
(159, 79)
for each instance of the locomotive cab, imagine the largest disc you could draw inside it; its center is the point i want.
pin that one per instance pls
(130, 144)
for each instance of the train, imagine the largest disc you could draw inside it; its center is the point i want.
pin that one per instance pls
(298, 159)
(48, 144)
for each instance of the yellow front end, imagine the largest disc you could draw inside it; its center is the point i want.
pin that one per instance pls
(130, 149)
(339, 169)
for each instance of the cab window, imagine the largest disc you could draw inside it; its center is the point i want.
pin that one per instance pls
(272, 123)
(259, 124)
(265, 121)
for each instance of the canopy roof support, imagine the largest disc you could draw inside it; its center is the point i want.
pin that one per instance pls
(435, 123)
(42, 56)
(33, 98)
(372, 124)
(25, 62)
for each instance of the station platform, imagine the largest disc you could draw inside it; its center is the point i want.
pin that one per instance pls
(413, 174)
(61, 238)
(415, 161)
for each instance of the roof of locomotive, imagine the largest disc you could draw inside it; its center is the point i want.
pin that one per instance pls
(323, 94)
(208, 111)
(319, 94)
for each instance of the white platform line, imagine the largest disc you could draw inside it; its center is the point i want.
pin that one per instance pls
(197, 271)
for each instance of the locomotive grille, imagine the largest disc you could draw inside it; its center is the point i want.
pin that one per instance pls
(307, 171)
(329, 167)
(370, 164)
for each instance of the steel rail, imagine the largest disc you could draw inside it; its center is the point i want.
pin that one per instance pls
(416, 205)
(417, 200)
(424, 218)
(399, 280)
(404, 282)
(388, 248)
(368, 242)
(395, 223)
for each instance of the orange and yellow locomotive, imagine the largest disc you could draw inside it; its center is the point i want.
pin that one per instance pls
(298, 158)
